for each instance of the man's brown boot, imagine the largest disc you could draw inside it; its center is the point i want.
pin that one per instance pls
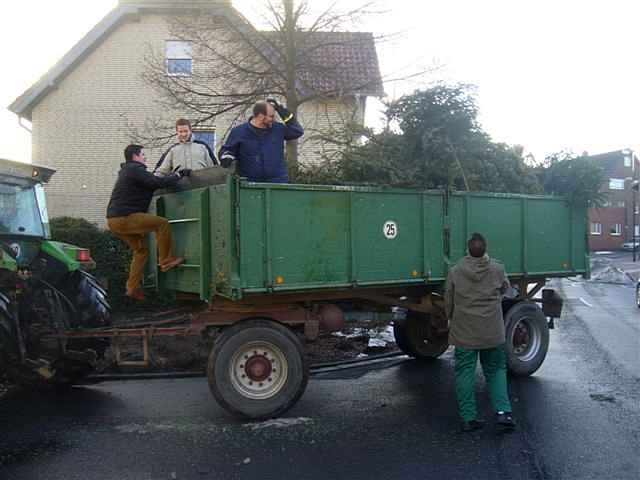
(136, 294)
(171, 263)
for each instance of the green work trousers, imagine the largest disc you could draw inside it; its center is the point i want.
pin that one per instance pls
(494, 367)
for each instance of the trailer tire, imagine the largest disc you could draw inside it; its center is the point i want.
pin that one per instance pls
(257, 369)
(527, 338)
(415, 337)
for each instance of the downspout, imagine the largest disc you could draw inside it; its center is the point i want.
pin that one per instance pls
(23, 125)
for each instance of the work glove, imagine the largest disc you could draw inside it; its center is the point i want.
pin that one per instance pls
(282, 110)
(226, 159)
(185, 172)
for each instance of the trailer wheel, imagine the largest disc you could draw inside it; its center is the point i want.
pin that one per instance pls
(527, 338)
(416, 337)
(257, 369)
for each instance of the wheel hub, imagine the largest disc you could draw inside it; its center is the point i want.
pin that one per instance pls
(521, 338)
(258, 368)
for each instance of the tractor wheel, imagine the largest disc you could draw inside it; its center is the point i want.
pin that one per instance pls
(8, 346)
(91, 310)
(83, 305)
(89, 300)
(257, 369)
(527, 338)
(416, 337)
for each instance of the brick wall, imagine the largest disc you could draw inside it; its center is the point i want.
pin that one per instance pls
(607, 218)
(619, 203)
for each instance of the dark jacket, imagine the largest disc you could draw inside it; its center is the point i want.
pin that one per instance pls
(260, 151)
(134, 188)
(473, 299)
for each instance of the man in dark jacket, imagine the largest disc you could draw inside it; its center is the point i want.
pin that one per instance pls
(127, 215)
(473, 300)
(258, 145)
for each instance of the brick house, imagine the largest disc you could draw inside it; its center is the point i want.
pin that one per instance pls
(612, 225)
(83, 110)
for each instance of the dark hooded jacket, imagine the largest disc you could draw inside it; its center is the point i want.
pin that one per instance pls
(134, 188)
(260, 151)
(473, 297)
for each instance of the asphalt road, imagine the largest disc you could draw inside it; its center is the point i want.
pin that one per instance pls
(582, 408)
(578, 419)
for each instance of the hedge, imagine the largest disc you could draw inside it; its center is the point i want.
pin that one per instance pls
(112, 257)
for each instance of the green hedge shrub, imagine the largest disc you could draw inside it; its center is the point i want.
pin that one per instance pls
(112, 256)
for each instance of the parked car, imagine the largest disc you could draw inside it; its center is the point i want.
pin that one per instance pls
(628, 246)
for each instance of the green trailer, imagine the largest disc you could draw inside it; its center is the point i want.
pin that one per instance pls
(273, 262)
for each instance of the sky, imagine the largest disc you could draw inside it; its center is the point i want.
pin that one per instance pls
(551, 75)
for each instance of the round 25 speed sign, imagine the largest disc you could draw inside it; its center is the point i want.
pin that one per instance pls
(390, 229)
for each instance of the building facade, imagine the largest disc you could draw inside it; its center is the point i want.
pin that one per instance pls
(84, 110)
(613, 224)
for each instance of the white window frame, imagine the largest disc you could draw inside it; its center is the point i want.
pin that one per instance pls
(616, 184)
(596, 228)
(178, 50)
(616, 230)
(627, 160)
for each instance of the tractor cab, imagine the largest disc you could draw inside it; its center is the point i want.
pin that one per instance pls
(24, 222)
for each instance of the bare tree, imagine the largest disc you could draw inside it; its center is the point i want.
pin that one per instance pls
(298, 59)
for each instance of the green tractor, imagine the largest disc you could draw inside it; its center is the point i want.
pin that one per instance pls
(45, 288)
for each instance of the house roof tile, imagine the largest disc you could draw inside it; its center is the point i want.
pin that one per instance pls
(335, 61)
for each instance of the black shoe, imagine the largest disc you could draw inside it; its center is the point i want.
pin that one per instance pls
(472, 425)
(505, 420)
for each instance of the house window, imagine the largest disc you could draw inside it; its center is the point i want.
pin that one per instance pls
(616, 229)
(596, 228)
(206, 136)
(178, 57)
(616, 184)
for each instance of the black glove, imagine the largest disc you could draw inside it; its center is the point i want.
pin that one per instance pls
(185, 172)
(282, 111)
(226, 159)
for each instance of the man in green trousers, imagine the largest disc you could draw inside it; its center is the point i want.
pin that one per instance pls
(473, 297)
